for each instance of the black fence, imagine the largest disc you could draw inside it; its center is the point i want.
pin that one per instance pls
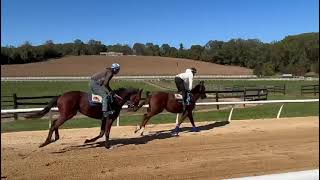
(251, 94)
(13, 102)
(277, 89)
(16, 102)
(310, 89)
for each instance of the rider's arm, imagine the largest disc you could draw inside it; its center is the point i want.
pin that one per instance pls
(108, 77)
(190, 81)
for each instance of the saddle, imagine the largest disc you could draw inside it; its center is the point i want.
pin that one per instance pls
(179, 98)
(94, 99)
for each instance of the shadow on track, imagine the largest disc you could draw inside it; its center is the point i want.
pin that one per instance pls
(140, 140)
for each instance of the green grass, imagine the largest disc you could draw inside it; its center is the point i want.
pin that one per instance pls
(258, 112)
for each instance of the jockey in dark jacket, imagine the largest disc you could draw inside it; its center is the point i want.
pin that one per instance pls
(99, 84)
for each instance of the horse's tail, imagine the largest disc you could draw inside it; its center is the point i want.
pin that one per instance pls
(146, 101)
(41, 113)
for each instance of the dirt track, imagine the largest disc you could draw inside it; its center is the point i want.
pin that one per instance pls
(241, 148)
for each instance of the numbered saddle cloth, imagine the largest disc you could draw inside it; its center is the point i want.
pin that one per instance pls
(95, 99)
(178, 96)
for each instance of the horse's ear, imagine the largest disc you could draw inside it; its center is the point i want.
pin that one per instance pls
(201, 83)
(140, 91)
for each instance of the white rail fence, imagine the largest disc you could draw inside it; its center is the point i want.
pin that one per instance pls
(199, 77)
(283, 102)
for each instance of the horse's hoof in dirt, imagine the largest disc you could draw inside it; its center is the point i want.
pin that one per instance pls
(107, 146)
(195, 129)
(43, 144)
(137, 129)
(175, 133)
(177, 129)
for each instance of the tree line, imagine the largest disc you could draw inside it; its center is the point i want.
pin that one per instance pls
(298, 54)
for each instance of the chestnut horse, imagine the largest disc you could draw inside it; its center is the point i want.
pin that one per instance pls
(73, 101)
(159, 101)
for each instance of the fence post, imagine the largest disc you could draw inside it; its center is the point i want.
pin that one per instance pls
(279, 112)
(177, 119)
(284, 89)
(230, 114)
(50, 118)
(301, 90)
(15, 105)
(118, 120)
(244, 96)
(314, 90)
(217, 99)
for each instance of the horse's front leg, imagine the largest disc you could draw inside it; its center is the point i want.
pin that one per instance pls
(108, 128)
(102, 131)
(194, 128)
(176, 131)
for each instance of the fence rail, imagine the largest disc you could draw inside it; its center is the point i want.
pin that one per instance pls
(17, 101)
(310, 89)
(86, 78)
(6, 111)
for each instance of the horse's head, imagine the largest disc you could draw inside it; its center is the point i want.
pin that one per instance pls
(200, 90)
(130, 96)
(134, 99)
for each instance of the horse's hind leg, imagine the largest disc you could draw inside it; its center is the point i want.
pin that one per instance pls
(54, 127)
(144, 121)
(102, 131)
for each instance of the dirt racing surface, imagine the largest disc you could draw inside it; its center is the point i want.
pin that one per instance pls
(241, 148)
(130, 65)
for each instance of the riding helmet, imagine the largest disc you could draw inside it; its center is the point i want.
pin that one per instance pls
(193, 70)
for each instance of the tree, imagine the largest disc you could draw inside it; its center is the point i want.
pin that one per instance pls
(138, 49)
(165, 50)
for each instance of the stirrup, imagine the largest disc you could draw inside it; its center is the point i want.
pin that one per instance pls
(105, 114)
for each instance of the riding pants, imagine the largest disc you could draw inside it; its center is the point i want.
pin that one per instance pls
(181, 88)
(100, 90)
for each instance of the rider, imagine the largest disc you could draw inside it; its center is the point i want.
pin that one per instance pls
(99, 84)
(184, 84)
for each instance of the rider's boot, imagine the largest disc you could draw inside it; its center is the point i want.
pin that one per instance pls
(109, 110)
(183, 105)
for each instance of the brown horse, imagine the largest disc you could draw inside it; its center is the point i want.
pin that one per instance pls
(163, 100)
(73, 101)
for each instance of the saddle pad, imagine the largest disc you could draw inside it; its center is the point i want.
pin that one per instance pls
(96, 98)
(177, 96)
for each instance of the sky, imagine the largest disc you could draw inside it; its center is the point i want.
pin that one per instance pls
(156, 21)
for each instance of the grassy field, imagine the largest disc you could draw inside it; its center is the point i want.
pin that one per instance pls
(258, 112)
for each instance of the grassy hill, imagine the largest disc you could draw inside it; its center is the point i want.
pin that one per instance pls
(130, 65)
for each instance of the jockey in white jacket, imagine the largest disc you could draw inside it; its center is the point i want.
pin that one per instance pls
(184, 84)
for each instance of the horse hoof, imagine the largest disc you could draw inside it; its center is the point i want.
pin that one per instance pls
(42, 145)
(107, 146)
(195, 129)
(175, 134)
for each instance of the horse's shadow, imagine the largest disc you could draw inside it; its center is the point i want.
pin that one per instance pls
(165, 134)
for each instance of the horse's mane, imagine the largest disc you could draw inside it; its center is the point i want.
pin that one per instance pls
(120, 90)
(196, 88)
